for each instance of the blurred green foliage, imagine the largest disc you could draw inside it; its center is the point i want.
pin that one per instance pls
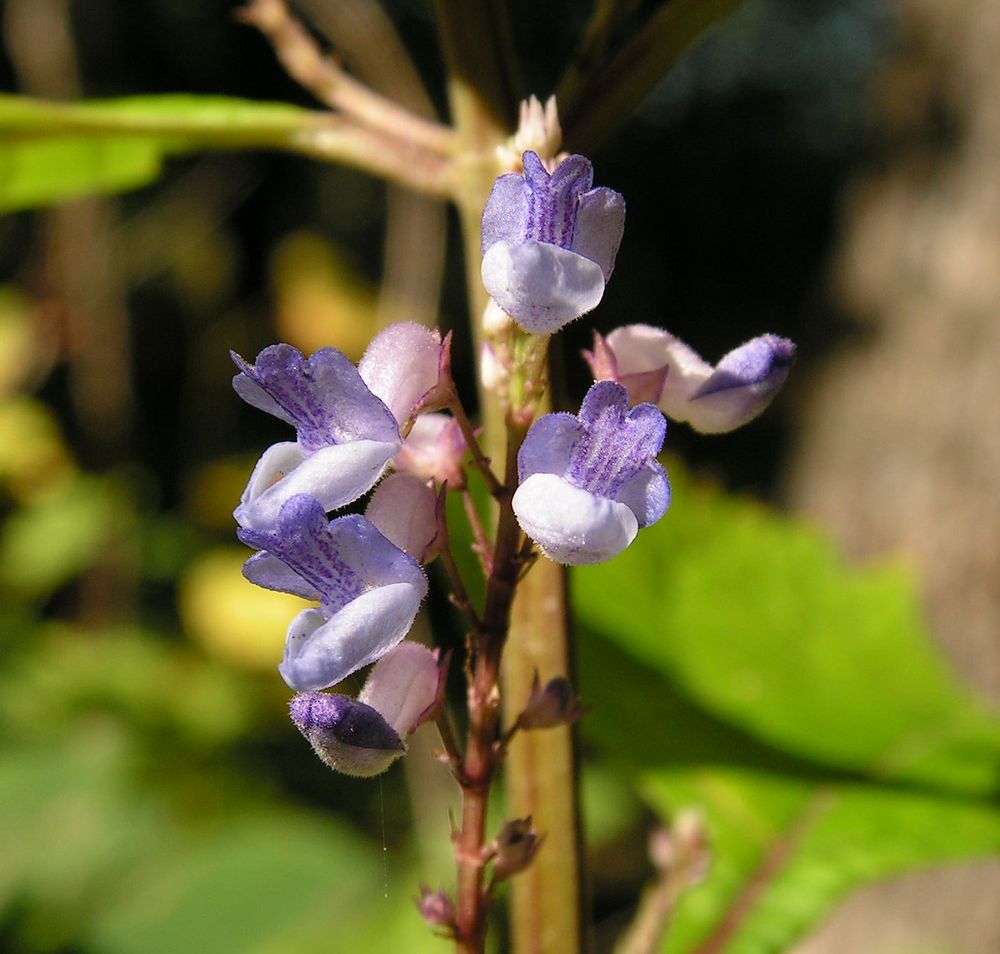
(736, 665)
(153, 797)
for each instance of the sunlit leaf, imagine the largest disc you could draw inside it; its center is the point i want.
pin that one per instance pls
(756, 618)
(797, 701)
(51, 152)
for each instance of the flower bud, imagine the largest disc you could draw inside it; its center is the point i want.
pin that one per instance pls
(437, 909)
(406, 686)
(408, 367)
(492, 371)
(550, 705)
(713, 400)
(434, 450)
(348, 735)
(405, 511)
(514, 848)
(682, 849)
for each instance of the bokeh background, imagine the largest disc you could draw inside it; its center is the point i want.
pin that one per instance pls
(821, 169)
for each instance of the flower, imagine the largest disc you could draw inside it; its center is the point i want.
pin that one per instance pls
(589, 482)
(368, 590)
(655, 366)
(549, 242)
(345, 435)
(364, 736)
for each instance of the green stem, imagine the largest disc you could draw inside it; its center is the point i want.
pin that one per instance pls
(185, 124)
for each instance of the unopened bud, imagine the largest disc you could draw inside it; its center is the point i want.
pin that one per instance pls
(492, 370)
(514, 848)
(406, 686)
(495, 319)
(405, 511)
(682, 849)
(437, 909)
(550, 705)
(408, 367)
(434, 450)
(348, 735)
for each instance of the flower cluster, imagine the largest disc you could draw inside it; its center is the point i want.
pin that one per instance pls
(364, 572)
(586, 483)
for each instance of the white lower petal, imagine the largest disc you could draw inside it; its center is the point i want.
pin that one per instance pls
(334, 475)
(572, 526)
(320, 652)
(541, 286)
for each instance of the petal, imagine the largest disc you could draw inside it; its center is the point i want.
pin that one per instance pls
(647, 494)
(341, 558)
(541, 286)
(505, 213)
(321, 652)
(600, 224)
(266, 570)
(403, 685)
(404, 509)
(251, 392)
(401, 365)
(323, 396)
(334, 475)
(547, 447)
(349, 736)
(617, 442)
(743, 384)
(572, 526)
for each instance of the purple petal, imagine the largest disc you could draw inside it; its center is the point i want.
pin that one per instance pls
(758, 361)
(542, 287)
(742, 386)
(572, 526)
(617, 442)
(547, 447)
(600, 225)
(349, 736)
(506, 212)
(553, 200)
(341, 559)
(647, 494)
(266, 570)
(323, 396)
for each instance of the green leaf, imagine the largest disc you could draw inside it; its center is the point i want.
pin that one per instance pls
(257, 883)
(756, 618)
(736, 665)
(51, 152)
(47, 543)
(44, 172)
(790, 852)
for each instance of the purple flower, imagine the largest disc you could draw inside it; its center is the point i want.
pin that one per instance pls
(655, 366)
(345, 435)
(589, 482)
(368, 590)
(549, 242)
(364, 736)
